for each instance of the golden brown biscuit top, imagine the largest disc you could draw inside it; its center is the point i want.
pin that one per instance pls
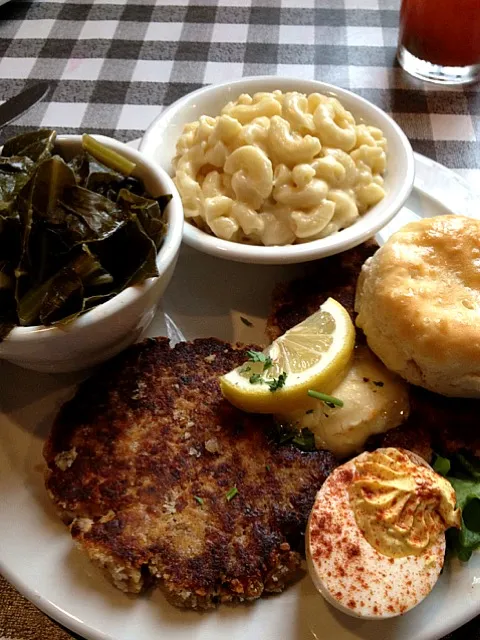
(419, 301)
(435, 263)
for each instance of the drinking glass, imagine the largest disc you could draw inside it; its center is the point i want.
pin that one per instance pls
(440, 40)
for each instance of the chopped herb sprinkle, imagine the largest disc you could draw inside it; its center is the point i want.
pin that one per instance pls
(256, 356)
(267, 467)
(255, 378)
(267, 364)
(330, 401)
(287, 433)
(304, 440)
(378, 383)
(231, 493)
(246, 321)
(366, 379)
(259, 356)
(309, 411)
(277, 383)
(198, 499)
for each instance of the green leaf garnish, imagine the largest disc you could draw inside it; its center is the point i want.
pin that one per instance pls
(471, 515)
(464, 475)
(198, 499)
(231, 493)
(287, 433)
(259, 356)
(255, 378)
(441, 465)
(256, 356)
(472, 467)
(330, 400)
(304, 440)
(268, 363)
(277, 383)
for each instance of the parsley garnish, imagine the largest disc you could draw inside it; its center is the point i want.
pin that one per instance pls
(267, 467)
(441, 465)
(259, 356)
(277, 383)
(231, 493)
(256, 356)
(303, 439)
(331, 401)
(198, 499)
(463, 473)
(267, 364)
(257, 378)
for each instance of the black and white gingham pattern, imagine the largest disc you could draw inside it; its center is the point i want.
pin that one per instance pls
(115, 64)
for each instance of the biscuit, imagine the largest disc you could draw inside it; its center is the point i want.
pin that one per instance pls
(418, 303)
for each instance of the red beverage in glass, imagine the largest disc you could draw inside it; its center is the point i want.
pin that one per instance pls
(442, 33)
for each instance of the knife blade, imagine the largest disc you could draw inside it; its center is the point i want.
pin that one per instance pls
(14, 107)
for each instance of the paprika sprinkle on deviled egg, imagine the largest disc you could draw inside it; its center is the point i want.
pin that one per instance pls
(376, 533)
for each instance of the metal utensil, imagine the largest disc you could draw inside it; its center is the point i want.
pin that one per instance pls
(14, 107)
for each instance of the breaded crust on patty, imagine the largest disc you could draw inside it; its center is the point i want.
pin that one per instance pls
(436, 423)
(140, 462)
(332, 277)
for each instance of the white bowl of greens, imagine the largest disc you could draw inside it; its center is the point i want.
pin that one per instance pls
(90, 231)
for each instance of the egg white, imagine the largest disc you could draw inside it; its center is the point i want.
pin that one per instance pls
(352, 575)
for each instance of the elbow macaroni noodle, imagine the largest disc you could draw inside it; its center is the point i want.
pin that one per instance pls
(275, 168)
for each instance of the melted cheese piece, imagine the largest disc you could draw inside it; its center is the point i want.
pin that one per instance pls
(374, 401)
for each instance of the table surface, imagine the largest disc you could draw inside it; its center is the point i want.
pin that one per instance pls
(115, 64)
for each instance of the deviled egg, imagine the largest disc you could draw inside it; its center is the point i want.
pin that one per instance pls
(376, 533)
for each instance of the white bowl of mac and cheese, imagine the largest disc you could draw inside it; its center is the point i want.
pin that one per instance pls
(280, 170)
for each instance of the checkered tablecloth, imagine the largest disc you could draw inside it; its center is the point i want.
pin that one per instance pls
(115, 64)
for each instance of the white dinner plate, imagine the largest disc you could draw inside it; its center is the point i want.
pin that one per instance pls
(206, 298)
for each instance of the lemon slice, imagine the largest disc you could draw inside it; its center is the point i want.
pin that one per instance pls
(314, 354)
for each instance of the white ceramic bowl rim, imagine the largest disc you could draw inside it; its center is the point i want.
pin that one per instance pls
(165, 255)
(360, 231)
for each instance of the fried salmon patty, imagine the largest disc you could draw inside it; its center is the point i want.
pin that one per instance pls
(436, 423)
(332, 277)
(142, 461)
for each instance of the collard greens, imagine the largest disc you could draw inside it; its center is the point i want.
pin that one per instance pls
(72, 234)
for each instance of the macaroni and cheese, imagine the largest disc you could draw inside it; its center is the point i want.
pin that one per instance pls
(278, 168)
